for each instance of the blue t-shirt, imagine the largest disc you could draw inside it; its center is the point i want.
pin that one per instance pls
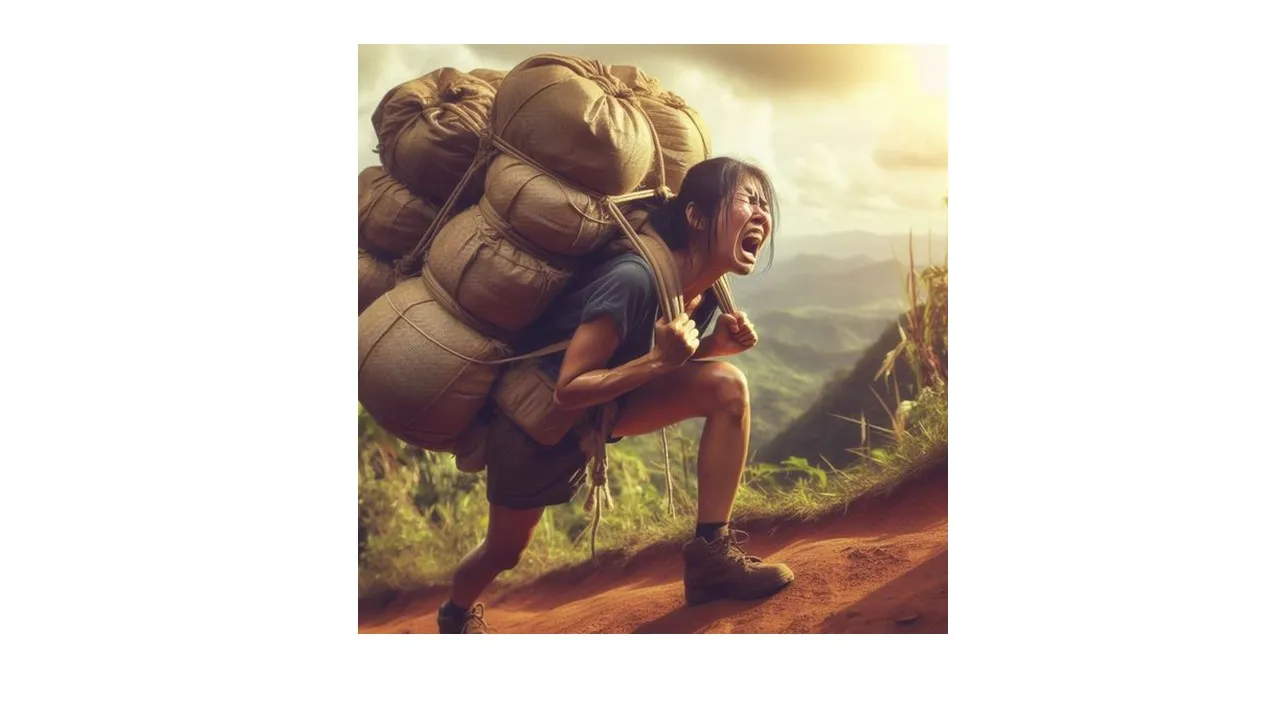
(621, 287)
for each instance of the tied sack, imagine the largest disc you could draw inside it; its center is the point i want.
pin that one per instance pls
(376, 277)
(429, 131)
(577, 120)
(683, 137)
(550, 214)
(491, 76)
(392, 219)
(409, 381)
(498, 288)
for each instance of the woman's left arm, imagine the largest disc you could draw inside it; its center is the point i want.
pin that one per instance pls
(733, 334)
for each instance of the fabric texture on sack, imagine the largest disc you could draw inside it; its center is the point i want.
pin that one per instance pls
(682, 135)
(413, 386)
(491, 76)
(428, 131)
(489, 277)
(577, 120)
(527, 396)
(392, 218)
(376, 277)
(552, 215)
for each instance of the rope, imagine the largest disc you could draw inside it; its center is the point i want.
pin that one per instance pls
(657, 149)
(595, 438)
(670, 294)
(725, 294)
(666, 457)
(549, 349)
(449, 301)
(495, 220)
(483, 152)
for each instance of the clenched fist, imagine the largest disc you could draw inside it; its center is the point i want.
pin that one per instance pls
(734, 333)
(675, 342)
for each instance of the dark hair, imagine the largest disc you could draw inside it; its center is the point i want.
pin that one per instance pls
(709, 185)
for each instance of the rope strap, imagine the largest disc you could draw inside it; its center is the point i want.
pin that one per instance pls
(595, 444)
(549, 349)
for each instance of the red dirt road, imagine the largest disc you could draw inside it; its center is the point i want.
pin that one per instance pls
(882, 568)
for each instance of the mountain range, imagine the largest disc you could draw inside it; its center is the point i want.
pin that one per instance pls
(822, 433)
(860, 243)
(811, 281)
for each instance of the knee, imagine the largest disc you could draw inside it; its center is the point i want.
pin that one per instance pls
(729, 394)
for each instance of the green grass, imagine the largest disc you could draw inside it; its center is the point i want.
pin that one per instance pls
(419, 518)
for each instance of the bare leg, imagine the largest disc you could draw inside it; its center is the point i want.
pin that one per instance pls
(510, 531)
(718, 392)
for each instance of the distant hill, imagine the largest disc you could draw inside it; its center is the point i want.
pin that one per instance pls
(859, 243)
(797, 354)
(818, 434)
(832, 330)
(810, 281)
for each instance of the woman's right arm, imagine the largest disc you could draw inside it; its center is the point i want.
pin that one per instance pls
(585, 382)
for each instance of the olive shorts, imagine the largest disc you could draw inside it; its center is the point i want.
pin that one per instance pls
(523, 473)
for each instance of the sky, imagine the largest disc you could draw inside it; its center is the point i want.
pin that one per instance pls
(853, 136)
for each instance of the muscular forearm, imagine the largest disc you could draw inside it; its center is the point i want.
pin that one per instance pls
(602, 385)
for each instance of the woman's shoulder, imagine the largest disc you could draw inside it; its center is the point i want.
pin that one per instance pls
(627, 269)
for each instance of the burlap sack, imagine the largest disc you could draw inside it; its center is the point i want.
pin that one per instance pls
(577, 120)
(412, 385)
(376, 278)
(392, 219)
(428, 131)
(527, 395)
(492, 280)
(553, 216)
(682, 134)
(491, 76)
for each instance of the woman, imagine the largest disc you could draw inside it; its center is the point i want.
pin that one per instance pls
(658, 373)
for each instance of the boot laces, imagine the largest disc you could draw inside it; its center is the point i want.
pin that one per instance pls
(475, 620)
(734, 540)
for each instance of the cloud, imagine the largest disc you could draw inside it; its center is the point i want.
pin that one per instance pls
(749, 68)
(873, 157)
(918, 138)
(383, 67)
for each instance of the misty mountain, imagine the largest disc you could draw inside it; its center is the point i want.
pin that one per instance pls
(832, 330)
(797, 355)
(860, 243)
(819, 434)
(812, 281)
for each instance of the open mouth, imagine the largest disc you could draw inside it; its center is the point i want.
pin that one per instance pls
(752, 243)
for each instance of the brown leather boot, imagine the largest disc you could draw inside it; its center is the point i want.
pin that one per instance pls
(721, 570)
(470, 622)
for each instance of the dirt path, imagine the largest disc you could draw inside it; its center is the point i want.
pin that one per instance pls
(882, 568)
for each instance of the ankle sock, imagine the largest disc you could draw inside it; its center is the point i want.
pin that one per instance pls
(710, 531)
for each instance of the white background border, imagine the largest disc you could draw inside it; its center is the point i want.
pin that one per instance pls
(178, 490)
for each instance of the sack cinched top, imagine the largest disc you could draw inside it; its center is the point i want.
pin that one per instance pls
(577, 120)
(429, 130)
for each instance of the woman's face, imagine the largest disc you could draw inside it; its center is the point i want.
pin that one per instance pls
(742, 229)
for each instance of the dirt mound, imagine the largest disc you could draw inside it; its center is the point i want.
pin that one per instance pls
(880, 568)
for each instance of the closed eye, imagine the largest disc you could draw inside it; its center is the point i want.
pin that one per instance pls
(757, 200)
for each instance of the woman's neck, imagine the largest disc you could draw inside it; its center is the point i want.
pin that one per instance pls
(695, 276)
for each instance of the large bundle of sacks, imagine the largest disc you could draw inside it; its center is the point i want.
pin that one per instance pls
(569, 132)
(428, 133)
